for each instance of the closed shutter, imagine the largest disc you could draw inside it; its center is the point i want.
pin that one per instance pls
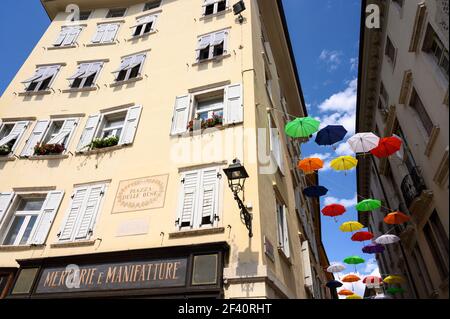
(61, 36)
(101, 30)
(88, 133)
(5, 200)
(89, 213)
(233, 112)
(48, 212)
(188, 199)
(110, 34)
(15, 134)
(35, 138)
(307, 273)
(66, 131)
(131, 123)
(76, 208)
(286, 247)
(72, 35)
(208, 200)
(181, 114)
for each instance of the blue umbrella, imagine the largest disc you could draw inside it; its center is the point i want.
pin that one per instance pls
(333, 284)
(315, 191)
(331, 134)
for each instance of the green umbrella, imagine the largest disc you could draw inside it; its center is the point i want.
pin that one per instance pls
(302, 127)
(368, 205)
(354, 260)
(395, 290)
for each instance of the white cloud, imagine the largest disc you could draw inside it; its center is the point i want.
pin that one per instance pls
(344, 202)
(353, 64)
(332, 59)
(344, 149)
(344, 101)
(322, 156)
(371, 269)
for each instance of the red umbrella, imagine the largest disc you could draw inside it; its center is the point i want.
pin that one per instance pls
(373, 281)
(396, 218)
(387, 146)
(333, 210)
(362, 236)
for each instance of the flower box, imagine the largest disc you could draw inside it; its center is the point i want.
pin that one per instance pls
(104, 142)
(48, 149)
(204, 124)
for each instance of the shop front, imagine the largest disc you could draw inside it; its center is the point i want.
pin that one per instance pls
(194, 271)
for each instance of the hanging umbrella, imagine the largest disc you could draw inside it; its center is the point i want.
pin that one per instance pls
(387, 239)
(373, 281)
(302, 127)
(344, 163)
(382, 296)
(354, 260)
(387, 146)
(362, 236)
(351, 278)
(330, 135)
(345, 292)
(333, 210)
(309, 165)
(363, 142)
(373, 249)
(349, 227)
(394, 279)
(368, 205)
(333, 284)
(335, 267)
(355, 296)
(396, 218)
(395, 290)
(315, 191)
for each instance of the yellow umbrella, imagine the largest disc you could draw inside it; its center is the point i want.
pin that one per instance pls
(394, 279)
(349, 227)
(344, 163)
(354, 297)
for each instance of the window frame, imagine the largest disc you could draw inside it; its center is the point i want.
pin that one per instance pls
(102, 40)
(68, 28)
(67, 139)
(104, 120)
(13, 124)
(202, 96)
(39, 84)
(388, 46)
(215, 8)
(145, 9)
(421, 113)
(282, 227)
(84, 80)
(129, 71)
(111, 11)
(210, 48)
(143, 26)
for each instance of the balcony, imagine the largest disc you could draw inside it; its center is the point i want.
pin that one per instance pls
(412, 186)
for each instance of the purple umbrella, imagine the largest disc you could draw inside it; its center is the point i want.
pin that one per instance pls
(373, 249)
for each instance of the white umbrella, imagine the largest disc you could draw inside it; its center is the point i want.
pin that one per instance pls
(336, 267)
(363, 142)
(387, 239)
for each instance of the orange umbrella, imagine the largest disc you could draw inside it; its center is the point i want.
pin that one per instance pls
(309, 165)
(350, 278)
(396, 218)
(345, 292)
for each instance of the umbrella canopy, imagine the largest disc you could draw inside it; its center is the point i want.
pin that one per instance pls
(345, 292)
(362, 236)
(368, 205)
(373, 281)
(394, 279)
(363, 142)
(309, 165)
(395, 290)
(354, 296)
(349, 227)
(333, 210)
(330, 135)
(315, 191)
(302, 127)
(387, 239)
(373, 249)
(344, 163)
(396, 218)
(387, 146)
(333, 284)
(354, 260)
(351, 278)
(336, 267)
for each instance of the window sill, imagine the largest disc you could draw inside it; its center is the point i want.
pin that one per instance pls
(215, 59)
(100, 44)
(116, 84)
(32, 93)
(48, 157)
(284, 257)
(196, 232)
(72, 46)
(145, 35)
(7, 158)
(209, 130)
(19, 248)
(218, 14)
(81, 243)
(102, 150)
(85, 89)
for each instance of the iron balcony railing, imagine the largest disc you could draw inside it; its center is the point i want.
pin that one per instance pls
(412, 186)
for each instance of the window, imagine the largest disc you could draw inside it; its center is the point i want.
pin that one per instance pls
(106, 33)
(434, 46)
(152, 5)
(214, 107)
(42, 78)
(275, 144)
(10, 135)
(119, 124)
(84, 15)
(212, 45)
(116, 13)
(214, 6)
(25, 280)
(80, 219)
(199, 198)
(54, 132)
(130, 68)
(28, 218)
(422, 272)
(86, 75)
(283, 234)
(390, 50)
(438, 242)
(269, 82)
(417, 105)
(144, 25)
(384, 94)
(67, 36)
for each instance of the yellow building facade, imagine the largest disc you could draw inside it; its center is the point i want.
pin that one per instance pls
(113, 139)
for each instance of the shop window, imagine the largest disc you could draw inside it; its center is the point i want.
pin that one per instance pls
(205, 270)
(25, 281)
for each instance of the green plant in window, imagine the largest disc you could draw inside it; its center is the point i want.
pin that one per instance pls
(48, 149)
(104, 142)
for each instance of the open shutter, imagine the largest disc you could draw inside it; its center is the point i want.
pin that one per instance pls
(307, 273)
(233, 112)
(181, 114)
(89, 132)
(66, 130)
(203, 43)
(35, 138)
(5, 200)
(111, 31)
(82, 69)
(208, 200)
(101, 30)
(48, 212)
(131, 123)
(61, 36)
(76, 208)
(286, 247)
(188, 199)
(72, 35)
(15, 134)
(92, 68)
(89, 213)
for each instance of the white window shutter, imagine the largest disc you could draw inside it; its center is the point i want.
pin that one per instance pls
(110, 32)
(66, 130)
(307, 273)
(233, 111)
(188, 199)
(61, 36)
(48, 212)
(35, 138)
(131, 124)
(72, 35)
(75, 210)
(89, 132)
(208, 199)
(16, 133)
(181, 114)
(286, 247)
(90, 211)
(101, 30)
(5, 200)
